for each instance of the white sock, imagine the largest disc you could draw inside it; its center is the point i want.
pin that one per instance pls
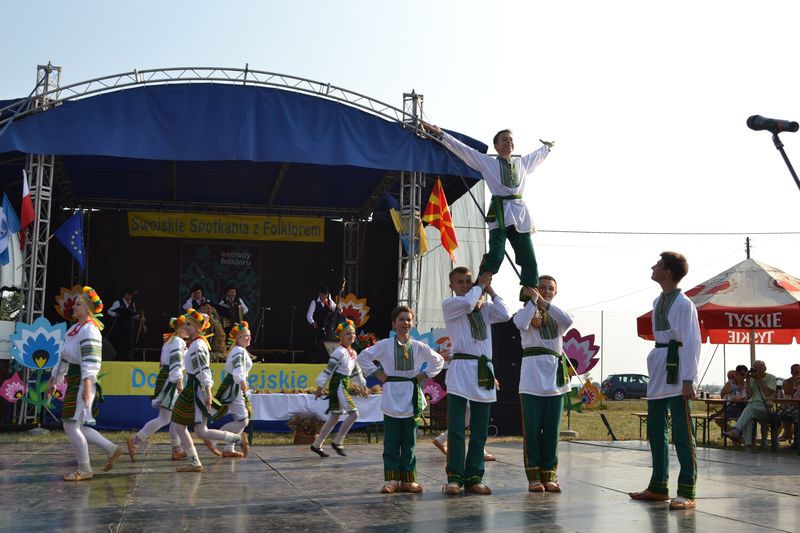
(345, 428)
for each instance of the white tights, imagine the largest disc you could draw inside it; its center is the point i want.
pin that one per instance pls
(186, 442)
(236, 427)
(163, 418)
(329, 425)
(201, 428)
(80, 437)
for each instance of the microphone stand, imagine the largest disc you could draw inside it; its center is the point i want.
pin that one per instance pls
(779, 146)
(260, 328)
(291, 333)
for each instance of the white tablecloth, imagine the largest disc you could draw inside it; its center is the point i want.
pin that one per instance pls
(283, 406)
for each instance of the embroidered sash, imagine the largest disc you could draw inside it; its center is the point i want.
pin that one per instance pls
(416, 398)
(485, 374)
(672, 359)
(562, 371)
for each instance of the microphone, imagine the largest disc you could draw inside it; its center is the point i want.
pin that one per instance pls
(772, 125)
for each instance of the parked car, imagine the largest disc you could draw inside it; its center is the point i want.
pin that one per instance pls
(621, 386)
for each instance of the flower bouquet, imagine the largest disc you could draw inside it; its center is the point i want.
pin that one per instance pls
(306, 427)
(364, 340)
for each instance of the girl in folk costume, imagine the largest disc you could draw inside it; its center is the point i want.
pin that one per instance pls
(399, 366)
(342, 369)
(194, 405)
(79, 361)
(233, 392)
(169, 385)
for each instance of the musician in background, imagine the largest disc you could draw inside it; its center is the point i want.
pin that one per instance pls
(232, 308)
(196, 299)
(121, 333)
(319, 310)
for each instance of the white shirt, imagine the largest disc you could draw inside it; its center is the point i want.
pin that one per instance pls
(226, 303)
(172, 354)
(313, 306)
(83, 345)
(538, 372)
(684, 328)
(238, 364)
(397, 396)
(112, 311)
(198, 354)
(462, 374)
(341, 363)
(515, 212)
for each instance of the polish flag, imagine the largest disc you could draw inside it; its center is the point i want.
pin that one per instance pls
(26, 212)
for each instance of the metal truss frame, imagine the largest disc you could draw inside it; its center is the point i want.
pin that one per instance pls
(236, 76)
(409, 266)
(40, 169)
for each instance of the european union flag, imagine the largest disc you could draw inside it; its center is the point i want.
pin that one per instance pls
(394, 212)
(71, 236)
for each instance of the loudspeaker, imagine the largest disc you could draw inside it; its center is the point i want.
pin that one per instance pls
(507, 359)
(505, 418)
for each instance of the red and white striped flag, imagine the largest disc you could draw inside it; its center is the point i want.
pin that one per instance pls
(26, 211)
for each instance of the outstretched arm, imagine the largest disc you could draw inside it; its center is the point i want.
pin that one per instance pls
(474, 159)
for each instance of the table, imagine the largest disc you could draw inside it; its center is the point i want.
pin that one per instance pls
(284, 406)
(700, 424)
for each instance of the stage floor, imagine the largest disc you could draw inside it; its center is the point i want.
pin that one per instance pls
(287, 488)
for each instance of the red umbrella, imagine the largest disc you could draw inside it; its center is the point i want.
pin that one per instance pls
(751, 301)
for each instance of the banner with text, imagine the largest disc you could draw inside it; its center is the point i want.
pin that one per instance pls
(123, 378)
(219, 226)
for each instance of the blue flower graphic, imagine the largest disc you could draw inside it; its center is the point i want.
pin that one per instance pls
(40, 352)
(37, 345)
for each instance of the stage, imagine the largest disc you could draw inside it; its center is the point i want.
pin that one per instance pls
(287, 488)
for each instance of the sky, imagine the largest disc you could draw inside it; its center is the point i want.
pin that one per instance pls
(646, 102)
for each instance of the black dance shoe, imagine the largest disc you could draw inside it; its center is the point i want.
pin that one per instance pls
(338, 449)
(319, 451)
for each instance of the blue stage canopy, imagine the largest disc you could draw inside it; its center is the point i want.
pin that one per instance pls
(215, 144)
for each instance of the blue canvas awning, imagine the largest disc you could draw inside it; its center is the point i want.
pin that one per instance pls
(217, 144)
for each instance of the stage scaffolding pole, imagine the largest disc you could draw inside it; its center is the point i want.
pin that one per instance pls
(411, 184)
(40, 170)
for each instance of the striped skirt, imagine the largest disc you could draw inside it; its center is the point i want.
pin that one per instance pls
(72, 407)
(232, 400)
(190, 406)
(166, 393)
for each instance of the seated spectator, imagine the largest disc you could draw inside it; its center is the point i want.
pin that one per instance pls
(787, 413)
(734, 389)
(760, 387)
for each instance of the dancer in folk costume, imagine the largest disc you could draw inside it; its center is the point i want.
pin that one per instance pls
(508, 217)
(400, 369)
(470, 377)
(342, 370)
(543, 382)
(195, 404)
(672, 367)
(79, 360)
(233, 392)
(169, 385)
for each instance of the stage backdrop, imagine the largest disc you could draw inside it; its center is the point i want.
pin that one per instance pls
(215, 265)
(127, 387)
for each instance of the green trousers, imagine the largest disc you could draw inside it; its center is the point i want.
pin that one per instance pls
(541, 428)
(399, 440)
(683, 437)
(467, 471)
(523, 254)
